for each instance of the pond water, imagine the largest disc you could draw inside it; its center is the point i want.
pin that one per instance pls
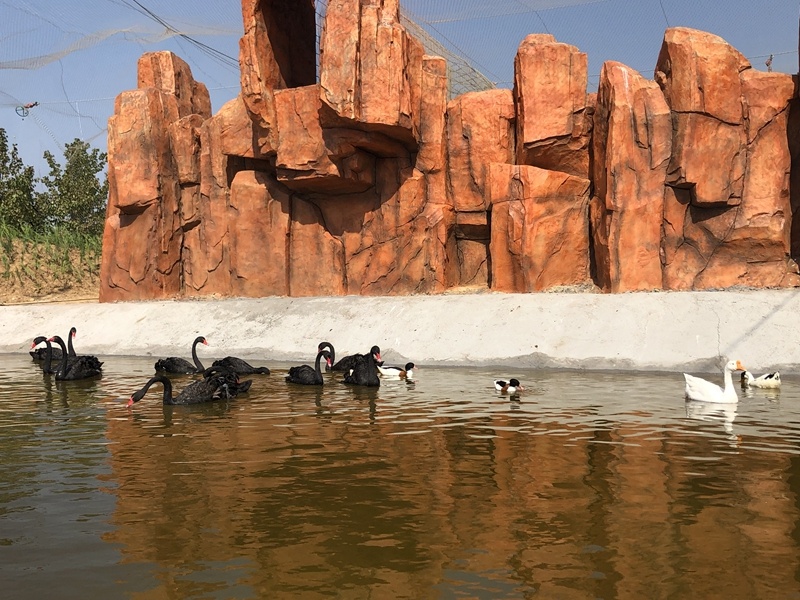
(588, 485)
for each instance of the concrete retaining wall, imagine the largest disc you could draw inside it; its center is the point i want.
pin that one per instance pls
(641, 331)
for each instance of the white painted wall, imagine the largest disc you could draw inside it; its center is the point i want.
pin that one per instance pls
(636, 331)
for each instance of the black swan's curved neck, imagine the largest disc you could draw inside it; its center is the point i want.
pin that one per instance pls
(320, 354)
(198, 365)
(72, 333)
(47, 367)
(48, 358)
(167, 396)
(329, 346)
(62, 369)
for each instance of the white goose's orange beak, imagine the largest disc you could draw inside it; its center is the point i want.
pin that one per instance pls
(739, 366)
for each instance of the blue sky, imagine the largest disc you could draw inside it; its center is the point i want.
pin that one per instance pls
(74, 56)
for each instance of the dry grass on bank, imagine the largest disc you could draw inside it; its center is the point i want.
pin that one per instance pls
(48, 267)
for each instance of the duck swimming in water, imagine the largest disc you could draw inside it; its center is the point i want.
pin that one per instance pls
(406, 372)
(767, 381)
(507, 387)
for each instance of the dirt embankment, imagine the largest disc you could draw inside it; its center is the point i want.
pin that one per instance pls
(31, 273)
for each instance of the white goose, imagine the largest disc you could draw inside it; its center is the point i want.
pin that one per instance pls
(705, 391)
(768, 380)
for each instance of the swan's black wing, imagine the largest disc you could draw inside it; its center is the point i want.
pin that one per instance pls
(82, 367)
(347, 363)
(199, 392)
(231, 389)
(41, 354)
(365, 372)
(242, 367)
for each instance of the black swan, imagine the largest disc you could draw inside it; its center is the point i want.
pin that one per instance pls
(348, 363)
(41, 353)
(239, 366)
(406, 372)
(327, 345)
(365, 371)
(77, 367)
(212, 387)
(181, 366)
(48, 353)
(305, 375)
(230, 386)
(512, 386)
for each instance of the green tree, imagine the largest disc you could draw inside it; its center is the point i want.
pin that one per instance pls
(18, 202)
(74, 196)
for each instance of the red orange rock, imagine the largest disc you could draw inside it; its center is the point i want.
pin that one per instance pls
(540, 228)
(553, 123)
(631, 148)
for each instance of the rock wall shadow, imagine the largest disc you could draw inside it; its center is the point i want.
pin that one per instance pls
(793, 137)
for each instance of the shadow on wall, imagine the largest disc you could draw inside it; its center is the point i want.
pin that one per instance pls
(793, 136)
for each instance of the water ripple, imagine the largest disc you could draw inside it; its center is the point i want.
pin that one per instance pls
(440, 484)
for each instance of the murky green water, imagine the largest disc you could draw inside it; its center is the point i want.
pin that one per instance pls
(588, 486)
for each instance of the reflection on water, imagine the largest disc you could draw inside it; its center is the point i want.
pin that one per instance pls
(586, 485)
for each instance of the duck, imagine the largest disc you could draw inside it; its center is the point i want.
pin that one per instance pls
(348, 363)
(406, 372)
(181, 366)
(512, 386)
(305, 375)
(702, 390)
(768, 380)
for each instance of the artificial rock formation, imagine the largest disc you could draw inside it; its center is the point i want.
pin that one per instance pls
(366, 178)
(727, 214)
(632, 144)
(540, 228)
(554, 112)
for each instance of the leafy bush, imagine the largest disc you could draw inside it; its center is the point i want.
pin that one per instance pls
(71, 196)
(74, 198)
(17, 197)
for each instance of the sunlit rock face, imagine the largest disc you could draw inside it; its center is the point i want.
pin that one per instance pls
(727, 213)
(540, 228)
(554, 112)
(631, 149)
(480, 131)
(364, 177)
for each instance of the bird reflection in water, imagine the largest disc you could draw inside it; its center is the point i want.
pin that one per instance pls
(724, 413)
(771, 394)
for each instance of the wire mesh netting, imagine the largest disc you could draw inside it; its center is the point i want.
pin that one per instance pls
(71, 58)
